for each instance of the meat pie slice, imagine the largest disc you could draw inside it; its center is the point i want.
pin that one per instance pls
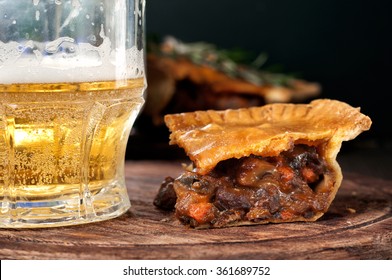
(270, 164)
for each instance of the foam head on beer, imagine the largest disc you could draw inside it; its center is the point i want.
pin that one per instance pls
(70, 40)
(31, 62)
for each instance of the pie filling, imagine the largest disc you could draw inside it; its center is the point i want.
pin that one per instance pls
(290, 186)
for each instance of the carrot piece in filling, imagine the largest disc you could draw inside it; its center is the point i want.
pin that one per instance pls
(309, 175)
(287, 173)
(201, 212)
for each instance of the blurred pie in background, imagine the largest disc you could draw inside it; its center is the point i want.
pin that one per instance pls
(187, 77)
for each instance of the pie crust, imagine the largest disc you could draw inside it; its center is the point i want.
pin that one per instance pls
(266, 134)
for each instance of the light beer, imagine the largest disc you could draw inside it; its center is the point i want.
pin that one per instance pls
(61, 143)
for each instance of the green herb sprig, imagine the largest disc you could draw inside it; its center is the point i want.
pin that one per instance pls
(234, 63)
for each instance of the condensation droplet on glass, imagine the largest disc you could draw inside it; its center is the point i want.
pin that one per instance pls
(92, 23)
(35, 2)
(87, 16)
(37, 15)
(92, 39)
(101, 8)
(14, 21)
(5, 16)
(76, 4)
(57, 2)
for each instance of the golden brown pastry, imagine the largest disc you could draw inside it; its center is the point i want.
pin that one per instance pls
(275, 163)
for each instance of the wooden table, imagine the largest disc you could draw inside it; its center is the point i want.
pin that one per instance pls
(357, 226)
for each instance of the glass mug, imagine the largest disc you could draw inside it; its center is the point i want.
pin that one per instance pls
(72, 82)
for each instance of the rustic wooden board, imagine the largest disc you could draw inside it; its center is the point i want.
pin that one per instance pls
(145, 232)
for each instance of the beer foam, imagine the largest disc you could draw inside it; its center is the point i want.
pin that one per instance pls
(64, 60)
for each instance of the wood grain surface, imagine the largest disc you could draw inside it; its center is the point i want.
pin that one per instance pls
(358, 225)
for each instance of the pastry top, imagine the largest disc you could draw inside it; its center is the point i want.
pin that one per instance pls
(209, 137)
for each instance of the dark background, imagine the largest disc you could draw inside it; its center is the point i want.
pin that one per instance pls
(343, 45)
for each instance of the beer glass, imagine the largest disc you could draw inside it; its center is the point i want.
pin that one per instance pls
(72, 82)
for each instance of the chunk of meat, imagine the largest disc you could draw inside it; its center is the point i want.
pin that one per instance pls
(166, 197)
